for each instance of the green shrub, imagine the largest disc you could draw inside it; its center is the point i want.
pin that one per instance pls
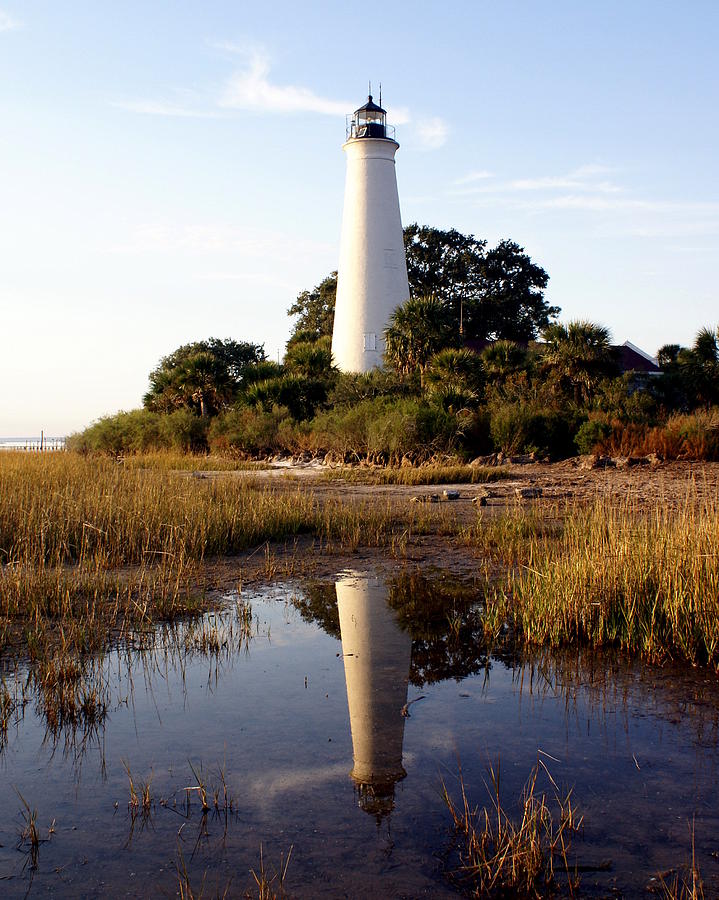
(299, 394)
(591, 433)
(248, 431)
(522, 427)
(629, 398)
(385, 429)
(184, 431)
(136, 431)
(351, 387)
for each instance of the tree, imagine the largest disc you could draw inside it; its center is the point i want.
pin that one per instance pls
(312, 359)
(204, 376)
(316, 311)
(667, 356)
(445, 264)
(577, 357)
(510, 301)
(503, 359)
(417, 330)
(204, 379)
(455, 377)
(497, 293)
(700, 367)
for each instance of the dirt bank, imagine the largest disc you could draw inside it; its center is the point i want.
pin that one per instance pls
(548, 486)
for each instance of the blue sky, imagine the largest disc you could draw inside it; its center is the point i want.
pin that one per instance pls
(173, 171)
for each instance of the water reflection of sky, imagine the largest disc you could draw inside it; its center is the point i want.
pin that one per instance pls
(305, 762)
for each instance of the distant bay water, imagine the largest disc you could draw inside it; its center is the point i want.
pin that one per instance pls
(33, 442)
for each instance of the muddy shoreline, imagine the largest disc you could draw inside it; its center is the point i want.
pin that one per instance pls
(559, 487)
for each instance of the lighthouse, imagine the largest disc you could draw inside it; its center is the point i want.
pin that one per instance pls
(377, 655)
(372, 271)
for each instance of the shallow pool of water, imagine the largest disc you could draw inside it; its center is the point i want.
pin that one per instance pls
(323, 720)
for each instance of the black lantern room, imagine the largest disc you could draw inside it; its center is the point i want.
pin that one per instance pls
(370, 121)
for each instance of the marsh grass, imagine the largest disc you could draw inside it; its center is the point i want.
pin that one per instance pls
(66, 509)
(513, 537)
(411, 475)
(502, 856)
(140, 793)
(612, 574)
(684, 883)
(271, 885)
(185, 889)
(190, 462)
(91, 550)
(95, 547)
(29, 833)
(8, 706)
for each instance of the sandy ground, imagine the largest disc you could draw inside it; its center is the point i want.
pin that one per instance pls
(672, 484)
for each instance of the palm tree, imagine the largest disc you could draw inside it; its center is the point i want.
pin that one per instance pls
(701, 366)
(706, 348)
(504, 358)
(204, 380)
(310, 358)
(458, 369)
(417, 330)
(577, 356)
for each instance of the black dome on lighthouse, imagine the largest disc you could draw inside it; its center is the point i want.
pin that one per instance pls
(371, 106)
(369, 121)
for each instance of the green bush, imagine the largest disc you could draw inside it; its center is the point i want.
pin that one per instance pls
(629, 398)
(299, 394)
(385, 429)
(351, 387)
(591, 433)
(522, 427)
(183, 430)
(135, 431)
(248, 431)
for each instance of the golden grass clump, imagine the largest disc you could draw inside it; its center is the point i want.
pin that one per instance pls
(168, 461)
(503, 857)
(645, 581)
(417, 475)
(66, 508)
(97, 546)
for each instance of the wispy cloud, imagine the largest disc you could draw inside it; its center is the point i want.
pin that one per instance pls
(276, 784)
(235, 48)
(589, 189)
(477, 175)
(583, 179)
(626, 204)
(432, 133)
(252, 89)
(7, 23)
(165, 108)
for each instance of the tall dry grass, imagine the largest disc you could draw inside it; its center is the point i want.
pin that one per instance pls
(411, 475)
(502, 856)
(613, 574)
(89, 547)
(169, 461)
(683, 436)
(86, 542)
(70, 509)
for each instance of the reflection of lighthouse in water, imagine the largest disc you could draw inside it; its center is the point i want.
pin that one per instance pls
(377, 656)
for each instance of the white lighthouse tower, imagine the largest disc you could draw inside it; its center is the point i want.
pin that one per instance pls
(377, 656)
(372, 272)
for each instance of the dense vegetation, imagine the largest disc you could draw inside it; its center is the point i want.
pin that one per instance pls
(466, 375)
